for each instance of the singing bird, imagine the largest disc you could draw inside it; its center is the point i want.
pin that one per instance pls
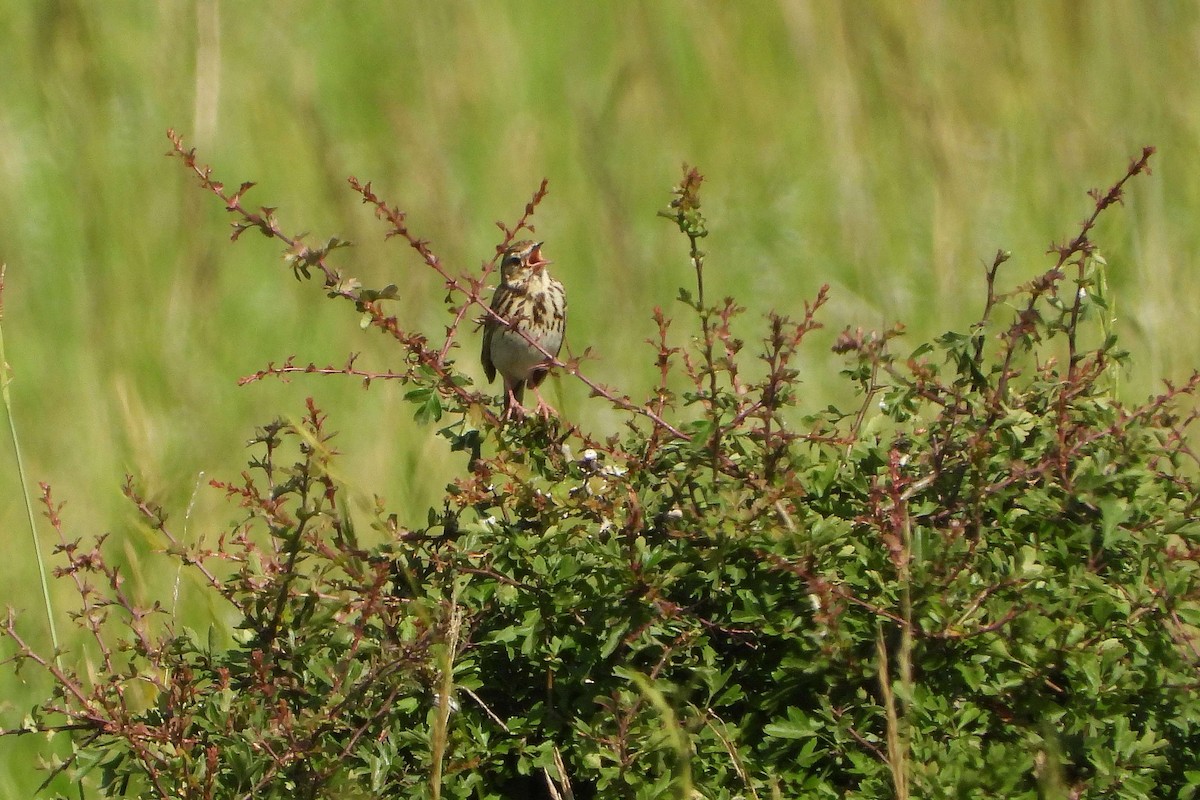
(534, 306)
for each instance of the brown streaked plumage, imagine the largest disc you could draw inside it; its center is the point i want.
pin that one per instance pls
(531, 301)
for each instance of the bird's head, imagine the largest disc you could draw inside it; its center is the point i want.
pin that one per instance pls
(521, 261)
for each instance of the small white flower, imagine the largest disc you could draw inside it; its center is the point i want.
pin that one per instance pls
(437, 702)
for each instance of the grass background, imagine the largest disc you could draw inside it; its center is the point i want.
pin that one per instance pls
(888, 149)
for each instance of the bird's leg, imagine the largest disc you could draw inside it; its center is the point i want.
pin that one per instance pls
(544, 409)
(512, 401)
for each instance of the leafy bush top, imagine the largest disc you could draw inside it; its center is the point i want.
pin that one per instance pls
(980, 581)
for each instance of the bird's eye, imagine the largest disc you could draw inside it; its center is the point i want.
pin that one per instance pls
(512, 260)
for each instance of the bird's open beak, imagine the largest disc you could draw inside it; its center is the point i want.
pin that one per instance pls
(535, 258)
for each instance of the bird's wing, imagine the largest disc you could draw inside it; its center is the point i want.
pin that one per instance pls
(489, 368)
(563, 294)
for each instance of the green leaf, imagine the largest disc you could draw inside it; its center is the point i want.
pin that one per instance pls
(429, 404)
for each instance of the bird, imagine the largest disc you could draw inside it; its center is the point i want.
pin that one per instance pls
(534, 305)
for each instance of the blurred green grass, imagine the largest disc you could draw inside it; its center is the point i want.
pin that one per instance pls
(888, 149)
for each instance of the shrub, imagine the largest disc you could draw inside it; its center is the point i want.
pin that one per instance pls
(980, 581)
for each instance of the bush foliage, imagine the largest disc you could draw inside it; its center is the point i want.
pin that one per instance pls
(980, 581)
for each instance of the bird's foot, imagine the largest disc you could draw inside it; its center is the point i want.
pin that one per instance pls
(513, 408)
(544, 409)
